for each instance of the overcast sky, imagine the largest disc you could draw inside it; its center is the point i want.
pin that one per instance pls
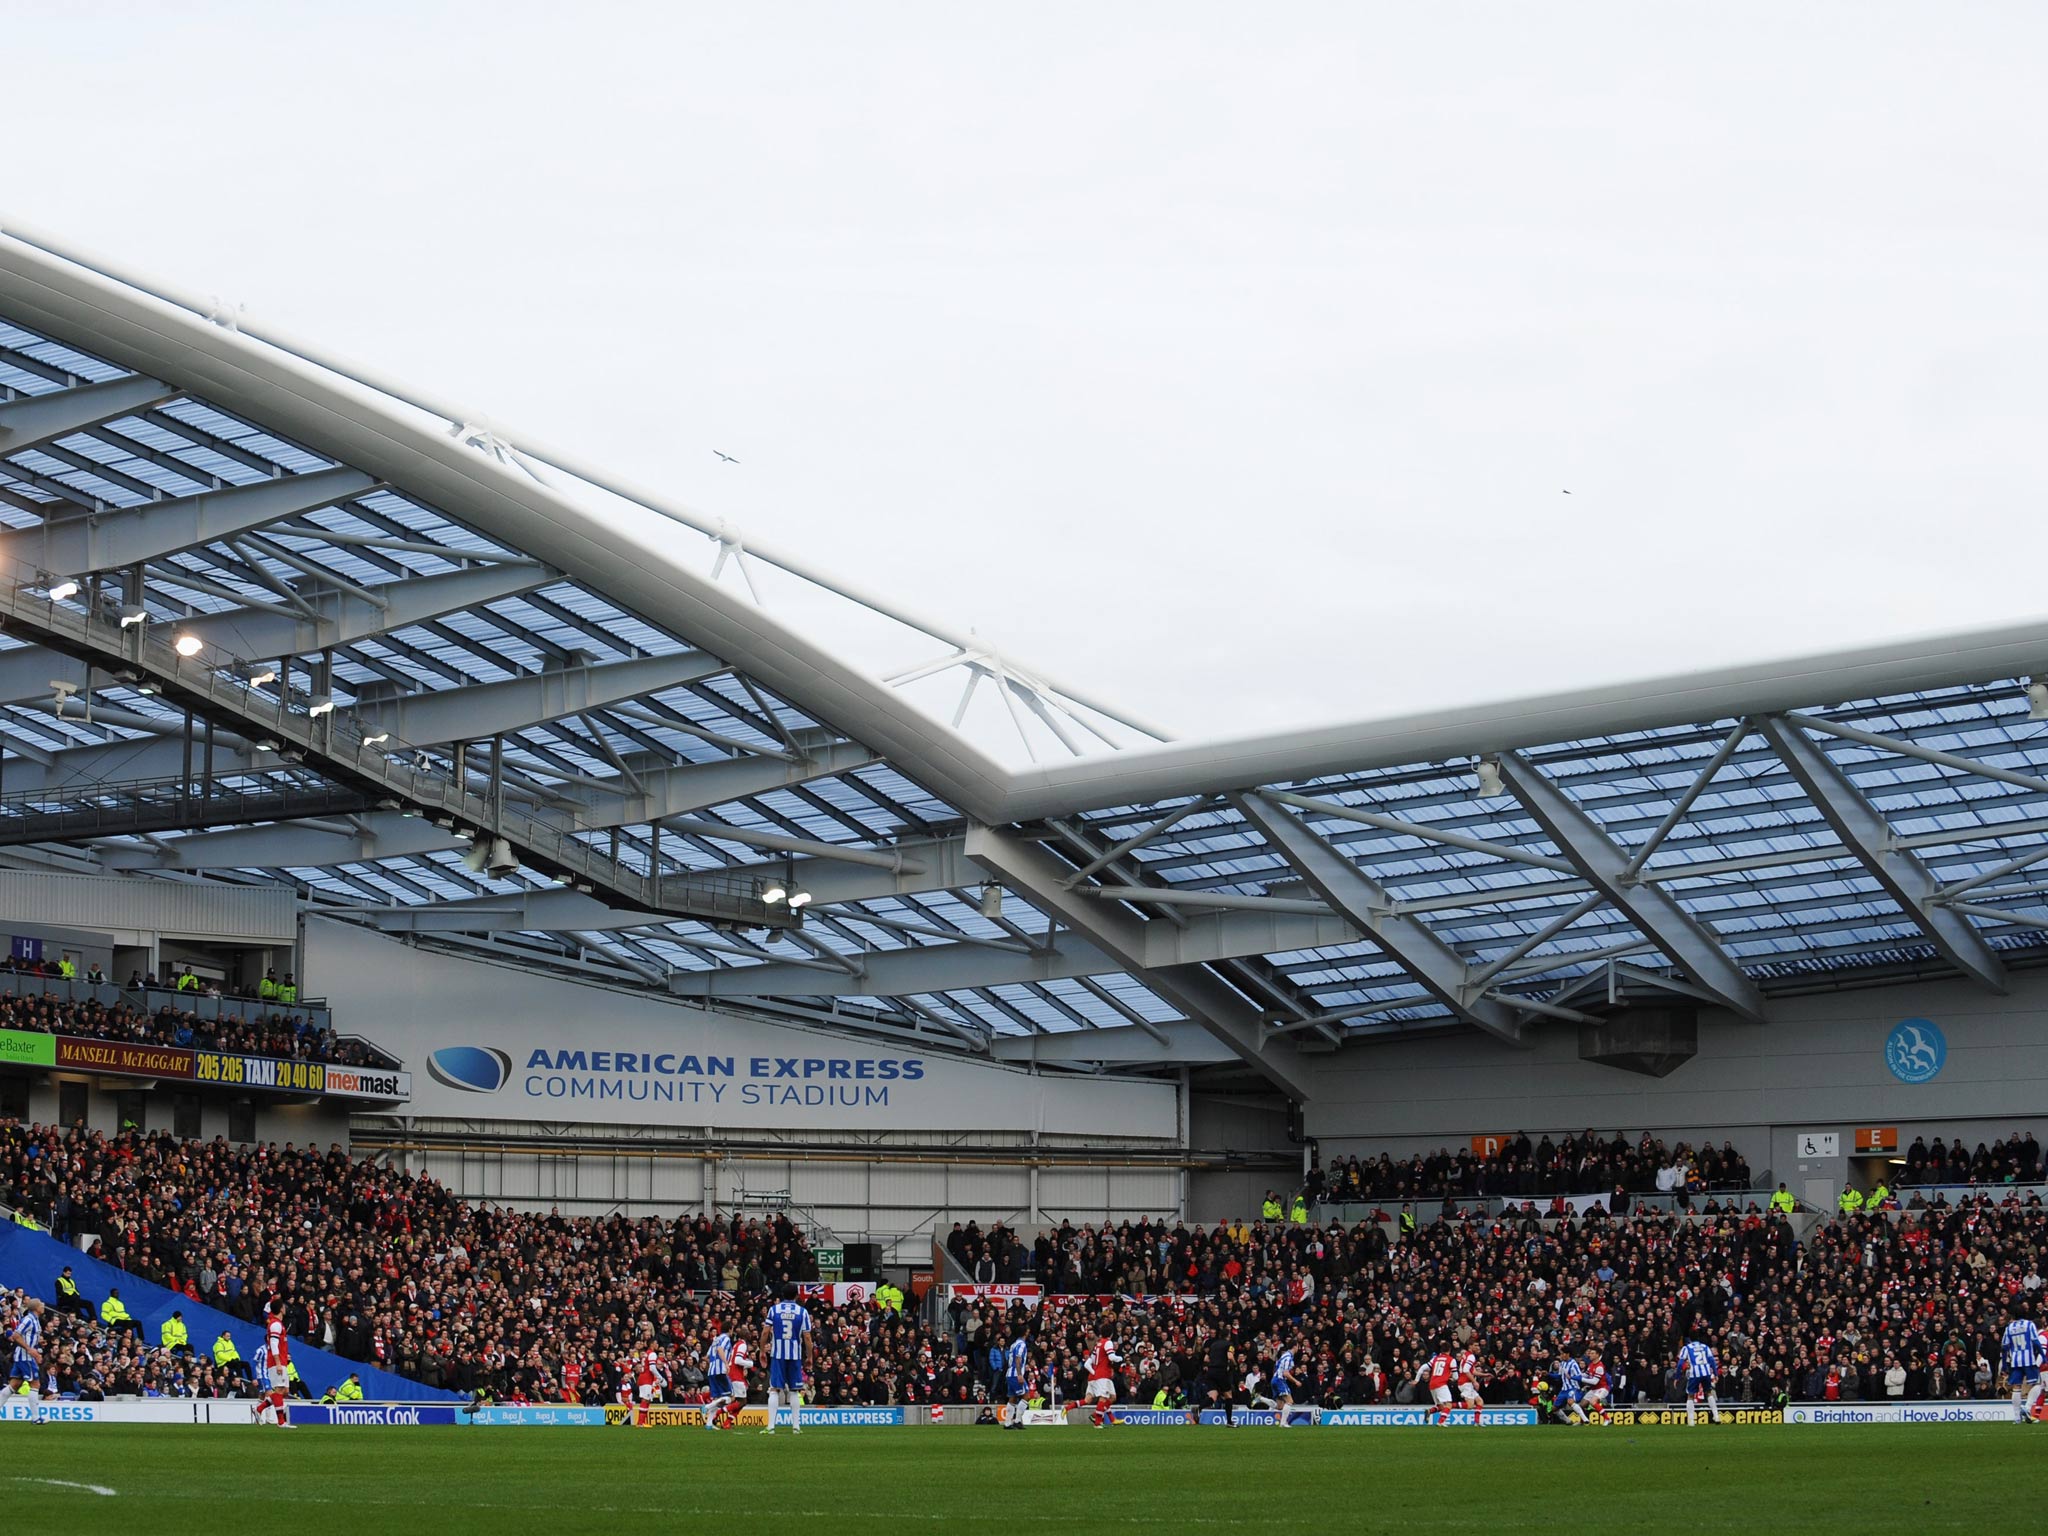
(1232, 362)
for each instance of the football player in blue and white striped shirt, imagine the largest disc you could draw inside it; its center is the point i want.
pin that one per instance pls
(1702, 1374)
(1017, 1365)
(786, 1340)
(1571, 1388)
(28, 1351)
(717, 1376)
(2024, 1355)
(1283, 1387)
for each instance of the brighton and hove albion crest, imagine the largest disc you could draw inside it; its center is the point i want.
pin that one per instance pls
(1915, 1051)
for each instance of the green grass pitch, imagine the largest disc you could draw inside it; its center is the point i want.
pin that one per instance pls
(1868, 1479)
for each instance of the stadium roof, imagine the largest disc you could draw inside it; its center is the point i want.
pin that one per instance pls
(473, 632)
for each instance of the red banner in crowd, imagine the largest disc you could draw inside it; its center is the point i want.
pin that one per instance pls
(1027, 1292)
(128, 1060)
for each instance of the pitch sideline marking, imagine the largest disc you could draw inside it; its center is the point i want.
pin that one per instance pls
(58, 1482)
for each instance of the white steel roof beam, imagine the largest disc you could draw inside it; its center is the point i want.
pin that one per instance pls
(1657, 914)
(483, 710)
(31, 420)
(1907, 880)
(1029, 869)
(111, 539)
(1403, 939)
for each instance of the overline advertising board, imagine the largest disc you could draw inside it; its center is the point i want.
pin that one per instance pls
(224, 1069)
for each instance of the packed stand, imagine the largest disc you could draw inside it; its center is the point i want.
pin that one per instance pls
(1866, 1308)
(390, 1270)
(90, 1359)
(291, 1036)
(2015, 1160)
(1588, 1164)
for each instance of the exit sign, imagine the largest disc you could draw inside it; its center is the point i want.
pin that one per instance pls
(831, 1263)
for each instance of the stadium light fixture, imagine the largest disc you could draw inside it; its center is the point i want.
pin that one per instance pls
(499, 859)
(991, 900)
(2037, 699)
(258, 679)
(478, 853)
(188, 645)
(377, 740)
(134, 616)
(1487, 771)
(324, 705)
(59, 591)
(798, 900)
(774, 894)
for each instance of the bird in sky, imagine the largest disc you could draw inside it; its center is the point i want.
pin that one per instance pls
(726, 456)
(1567, 493)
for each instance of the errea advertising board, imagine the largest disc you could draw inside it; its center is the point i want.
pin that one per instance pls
(484, 1041)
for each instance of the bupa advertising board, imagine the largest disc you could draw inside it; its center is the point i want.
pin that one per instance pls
(482, 1041)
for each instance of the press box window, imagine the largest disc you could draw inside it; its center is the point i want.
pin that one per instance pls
(13, 1098)
(185, 1115)
(71, 1102)
(241, 1121)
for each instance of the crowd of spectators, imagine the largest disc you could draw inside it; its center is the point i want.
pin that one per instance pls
(90, 1361)
(1923, 1297)
(292, 1036)
(1587, 1164)
(2015, 1160)
(387, 1268)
